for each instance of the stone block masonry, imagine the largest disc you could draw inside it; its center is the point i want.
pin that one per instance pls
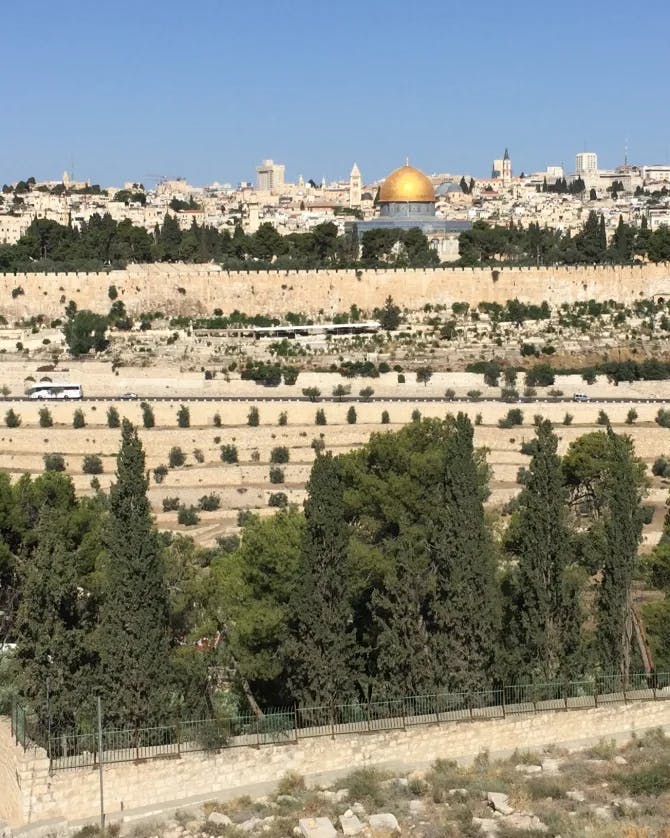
(191, 290)
(29, 793)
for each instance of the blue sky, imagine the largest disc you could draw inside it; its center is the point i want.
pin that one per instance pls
(205, 89)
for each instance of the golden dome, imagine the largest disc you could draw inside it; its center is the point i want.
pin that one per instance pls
(406, 184)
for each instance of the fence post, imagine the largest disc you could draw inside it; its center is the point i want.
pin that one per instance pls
(437, 707)
(595, 691)
(470, 703)
(178, 726)
(402, 704)
(368, 714)
(295, 721)
(502, 691)
(565, 696)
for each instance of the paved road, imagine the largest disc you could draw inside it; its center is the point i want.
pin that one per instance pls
(354, 400)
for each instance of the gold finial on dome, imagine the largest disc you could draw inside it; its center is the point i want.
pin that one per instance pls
(406, 184)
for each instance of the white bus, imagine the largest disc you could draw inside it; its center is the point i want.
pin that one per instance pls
(52, 390)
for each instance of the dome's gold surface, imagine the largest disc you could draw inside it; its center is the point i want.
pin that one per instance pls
(406, 184)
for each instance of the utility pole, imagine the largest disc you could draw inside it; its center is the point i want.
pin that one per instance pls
(100, 752)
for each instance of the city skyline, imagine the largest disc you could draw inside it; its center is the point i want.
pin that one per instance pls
(127, 92)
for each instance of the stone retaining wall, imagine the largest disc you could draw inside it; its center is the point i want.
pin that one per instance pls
(74, 794)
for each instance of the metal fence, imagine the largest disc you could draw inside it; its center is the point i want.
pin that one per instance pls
(283, 726)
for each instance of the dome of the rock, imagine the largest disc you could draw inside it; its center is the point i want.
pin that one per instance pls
(406, 184)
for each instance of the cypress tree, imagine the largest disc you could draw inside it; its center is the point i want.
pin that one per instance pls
(540, 538)
(465, 609)
(622, 531)
(404, 660)
(323, 656)
(133, 634)
(52, 647)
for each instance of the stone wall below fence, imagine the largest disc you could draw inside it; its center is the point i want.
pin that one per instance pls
(73, 794)
(178, 289)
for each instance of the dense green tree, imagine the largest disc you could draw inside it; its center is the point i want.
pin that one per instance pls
(540, 539)
(622, 533)
(54, 655)
(389, 316)
(324, 661)
(133, 634)
(85, 331)
(465, 610)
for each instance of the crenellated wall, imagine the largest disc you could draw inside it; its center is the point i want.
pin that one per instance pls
(199, 289)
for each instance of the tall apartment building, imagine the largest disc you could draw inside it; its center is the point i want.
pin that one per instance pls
(586, 163)
(270, 176)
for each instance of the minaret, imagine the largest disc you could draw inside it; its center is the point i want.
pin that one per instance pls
(506, 169)
(355, 187)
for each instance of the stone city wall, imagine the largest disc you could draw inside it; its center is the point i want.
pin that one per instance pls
(199, 289)
(74, 793)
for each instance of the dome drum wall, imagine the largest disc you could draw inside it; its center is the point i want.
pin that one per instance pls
(407, 209)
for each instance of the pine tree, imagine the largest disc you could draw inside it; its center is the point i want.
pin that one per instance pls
(133, 634)
(465, 609)
(540, 538)
(622, 530)
(52, 647)
(322, 650)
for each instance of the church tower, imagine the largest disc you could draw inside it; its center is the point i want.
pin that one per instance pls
(506, 169)
(355, 187)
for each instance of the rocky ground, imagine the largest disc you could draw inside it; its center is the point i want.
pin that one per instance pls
(603, 792)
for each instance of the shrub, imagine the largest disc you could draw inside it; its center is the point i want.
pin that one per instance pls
(555, 394)
(78, 420)
(663, 418)
(160, 472)
(529, 447)
(318, 444)
(283, 418)
(366, 786)
(184, 417)
(366, 394)
(54, 462)
(147, 415)
(170, 504)
(255, 456)
(492, 373)
(312, 393)
(384, 367)
(514, 417)
(290, 375)
(510, 376)
(198, 455)
(276, 474)
(416, 415)
(112, 293)
(450, 393)
(217, 420)
(280, 454)
(475, 395)
(244, 516)
(351, 415)
(478, 419)
(291, 782)
(567, 419)
(631, 416)
(209, 503)
(603, 418)
(253, 417)
(340, 391)
(401, 378)
(278, 499)
(529, 392)
(46, 420)
(92, 464)
(540, 375)
(423, 375)
(509, 394)
(113, 418)
(589, 375)
(320, 418)
(661, 467)
(176, 457)
(12, 419)
(385, 417)
(187, 516)
(229, 453)
(528, 350)
(647, 514)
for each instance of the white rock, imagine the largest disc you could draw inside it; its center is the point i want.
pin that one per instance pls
(528, 769)
(550, 766)
(249, 825)
(603, 812)
(526, 821)
(619, 760)
(341, 794)
(625, 805)
(417, 807)
(297, 831)
(317, 828)
(385, 821)
(575, 794)
(358, 809)
(458, 792)
(403, 782)
(350, 824)
(219, 819)
(330, 796)
(486, 825)
(499, 802)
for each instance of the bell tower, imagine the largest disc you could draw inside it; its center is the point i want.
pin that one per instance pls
(355, 187)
